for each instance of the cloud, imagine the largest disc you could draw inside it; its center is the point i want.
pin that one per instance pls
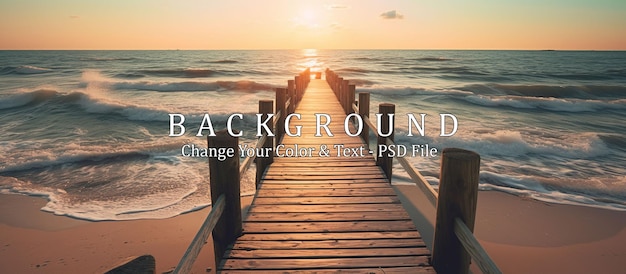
(336, 26)
(336, 7)
(74, 17)
(392, 14)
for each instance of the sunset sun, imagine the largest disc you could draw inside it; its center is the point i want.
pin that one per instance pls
(307, 19)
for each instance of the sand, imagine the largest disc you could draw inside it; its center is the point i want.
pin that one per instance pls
(529, 236)
(521, 235)
(33, 241)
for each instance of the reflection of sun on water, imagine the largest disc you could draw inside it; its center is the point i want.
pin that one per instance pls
(309, 52)
(310, 60)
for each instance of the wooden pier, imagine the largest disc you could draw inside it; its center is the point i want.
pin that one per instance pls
(331, 208)
(324, 214)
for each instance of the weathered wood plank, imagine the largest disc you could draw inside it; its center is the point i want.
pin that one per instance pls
(287, 164)
(320, 226)
(325, 200)
(344, 181)
(412, 235)
(328, 253)
(291, 264)
(374, 270)
(324, 177)
(321, 186)
(337, 216)
(316, 244)
(327, 192)
(314, 169)
(326, 208)
(336, 173)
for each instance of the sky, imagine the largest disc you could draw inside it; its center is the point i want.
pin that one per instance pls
(296, 24)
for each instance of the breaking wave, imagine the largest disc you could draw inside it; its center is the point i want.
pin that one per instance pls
(24, 70)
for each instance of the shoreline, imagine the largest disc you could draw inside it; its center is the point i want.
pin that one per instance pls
(521, 235)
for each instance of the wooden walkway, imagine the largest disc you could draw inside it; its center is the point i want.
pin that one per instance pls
(326, 214)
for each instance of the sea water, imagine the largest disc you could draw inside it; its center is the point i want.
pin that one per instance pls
(88, 130)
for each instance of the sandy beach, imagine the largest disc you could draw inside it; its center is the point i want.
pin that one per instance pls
(521, 235)
(530, 236)
(33, 241)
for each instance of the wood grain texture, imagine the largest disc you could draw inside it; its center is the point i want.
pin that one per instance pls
(326, 214)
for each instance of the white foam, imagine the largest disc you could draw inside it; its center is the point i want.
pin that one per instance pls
(17, 158)
(515, 143)
(526, 186)
(154, 189)
(31, 70)
(547, 103)
(95, 80)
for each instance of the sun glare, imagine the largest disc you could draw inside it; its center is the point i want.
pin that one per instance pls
(307, 18)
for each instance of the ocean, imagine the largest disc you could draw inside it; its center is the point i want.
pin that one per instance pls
(88, 130)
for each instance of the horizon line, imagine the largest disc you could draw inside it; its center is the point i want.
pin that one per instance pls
(287, 49)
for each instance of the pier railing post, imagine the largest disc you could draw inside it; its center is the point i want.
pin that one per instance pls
(307, 76)
(338, 86)
(364, 111)
(281, 99)
(344, 95)
(331, 78)
(458, 192)
(384, 161)
(336, 83)
(350, 100)
(298, 83)
(224, 179)
(291, 91)
(265, 108)
(331, 81)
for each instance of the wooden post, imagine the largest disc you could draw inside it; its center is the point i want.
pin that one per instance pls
(332, 81)
(327, 73)
(346, 91)
(298, 82)
(329, 79)
(281, 99)
(265, 107)
(307, 76)
(384, 161)
(224, 176)
(344, 95)
(458, 192)
(305, 79)
(338, 86)
(291, 91)
(364, 111)
(351, 91)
